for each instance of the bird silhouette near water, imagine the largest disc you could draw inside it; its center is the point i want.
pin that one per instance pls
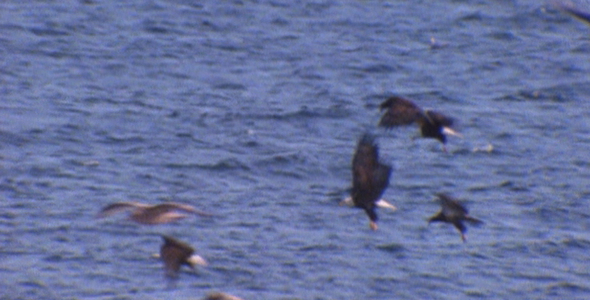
(370, 178)
(453, 212)
(400, 111)
(152, 214)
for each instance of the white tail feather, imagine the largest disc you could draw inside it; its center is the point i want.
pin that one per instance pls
(384, 204)
(450, 131)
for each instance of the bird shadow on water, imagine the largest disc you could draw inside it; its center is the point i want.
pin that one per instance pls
(393, 248)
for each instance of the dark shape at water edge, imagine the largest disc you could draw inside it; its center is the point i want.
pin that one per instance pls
(453, 212)
(220, 296)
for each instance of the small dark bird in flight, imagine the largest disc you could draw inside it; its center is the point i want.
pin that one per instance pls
(151, 214)
(570, 8)
(370, 178)
(175, 253)
(453, 212)
(400, 111)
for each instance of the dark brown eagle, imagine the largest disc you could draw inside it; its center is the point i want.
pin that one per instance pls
(453, 212)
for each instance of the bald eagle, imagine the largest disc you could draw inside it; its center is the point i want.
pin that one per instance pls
(370, 178)
(453, 212)
(400, 111)
(175, 253)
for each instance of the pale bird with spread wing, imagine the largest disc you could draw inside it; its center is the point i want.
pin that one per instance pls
(152, 214)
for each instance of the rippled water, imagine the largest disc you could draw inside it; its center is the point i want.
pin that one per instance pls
(251, 110)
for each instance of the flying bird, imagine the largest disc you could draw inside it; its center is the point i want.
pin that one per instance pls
(151, 214)
(175, 253)
(370, 178)
(453, 212)
(570, 8)
(400, 111)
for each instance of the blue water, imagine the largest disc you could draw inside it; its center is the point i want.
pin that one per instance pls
(251, 110)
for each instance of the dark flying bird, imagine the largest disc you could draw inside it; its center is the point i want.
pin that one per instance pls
(570, 8)
(151, 214)
(370, 178)
(175, 253)
(453, 212)
(400, 111)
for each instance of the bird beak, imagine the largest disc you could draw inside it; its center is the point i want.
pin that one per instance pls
(450, 131)
(196, 260)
